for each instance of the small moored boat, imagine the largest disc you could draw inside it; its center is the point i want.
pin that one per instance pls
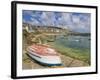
(44, 55)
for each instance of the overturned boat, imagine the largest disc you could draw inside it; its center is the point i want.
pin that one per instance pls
(44, 55)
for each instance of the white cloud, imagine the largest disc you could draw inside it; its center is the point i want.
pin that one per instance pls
(77, 22)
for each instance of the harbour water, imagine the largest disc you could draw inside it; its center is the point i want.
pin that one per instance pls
(73, 46)
(79, 42)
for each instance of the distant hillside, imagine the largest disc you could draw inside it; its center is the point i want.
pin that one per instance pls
(34, 28)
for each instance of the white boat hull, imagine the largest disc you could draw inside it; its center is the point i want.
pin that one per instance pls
(45, 60)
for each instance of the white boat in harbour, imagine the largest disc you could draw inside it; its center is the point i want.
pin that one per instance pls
(77, 40)
(44, 55)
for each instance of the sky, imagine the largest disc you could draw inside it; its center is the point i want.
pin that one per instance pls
(78, 22)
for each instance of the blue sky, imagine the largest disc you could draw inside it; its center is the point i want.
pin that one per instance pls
(79, 22)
